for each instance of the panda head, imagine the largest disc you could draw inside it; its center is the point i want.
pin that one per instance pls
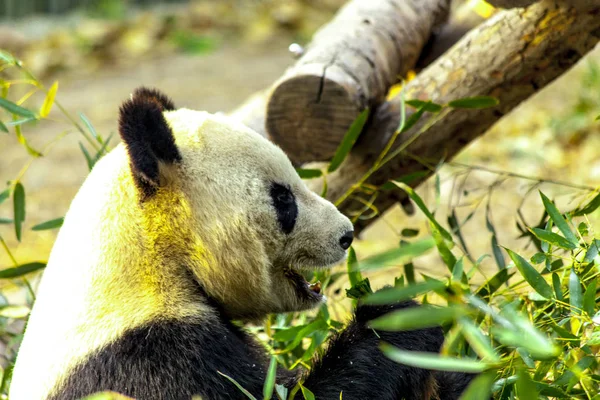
(226, 205)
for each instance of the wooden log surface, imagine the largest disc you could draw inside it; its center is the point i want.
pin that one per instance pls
(511, 56)
(349, 65)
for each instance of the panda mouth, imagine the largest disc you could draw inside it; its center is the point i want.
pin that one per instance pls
(303, 287)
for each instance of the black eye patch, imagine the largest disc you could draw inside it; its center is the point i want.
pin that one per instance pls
(285, 205)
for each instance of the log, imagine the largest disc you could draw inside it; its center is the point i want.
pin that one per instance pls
(511, 56)
(349, 65)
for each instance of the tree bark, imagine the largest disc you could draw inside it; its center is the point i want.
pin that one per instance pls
(511, 56)
(350, 65)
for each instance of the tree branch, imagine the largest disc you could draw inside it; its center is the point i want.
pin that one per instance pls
(511, 56)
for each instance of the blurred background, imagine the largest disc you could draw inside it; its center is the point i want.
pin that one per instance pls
(211, 55)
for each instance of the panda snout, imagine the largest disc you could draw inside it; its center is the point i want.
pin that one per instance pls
(346, 240)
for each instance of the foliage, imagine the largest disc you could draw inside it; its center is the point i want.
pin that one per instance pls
(532, 330)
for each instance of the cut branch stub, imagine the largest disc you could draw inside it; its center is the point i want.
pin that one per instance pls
(350, 65)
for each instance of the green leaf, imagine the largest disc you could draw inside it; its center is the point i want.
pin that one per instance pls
(408, 178)
(522, 333)
(441, 244)
(309, 173)
(526, 389)
(575, 292)
(15, 109)
(534, 278)
(479, 342)
(538, 258)
(88, 158)
(589, 298)
(589, 207)
(354, 274)
(559, 220)
(52, 224)
(282, 392)
(457, 270)
(419, 202)
(4, 195)
(7, 57)
(412, 318)
(433, 360)
(317, 325)
(553, 238)
(90, 127)
(397, 256)
(49, 100)
(396, 294)
(428, 106)
(348, 141)
(5, 221)
(409, 232)
(494, 283)
(19, 208)
(360, 290)
(3, 127)
(23, 269)
(590, 254)
(475, 102)
(556, 284)
(308, 395)
(480, 387)
(270, 380)
(411, 120)
(244, 391)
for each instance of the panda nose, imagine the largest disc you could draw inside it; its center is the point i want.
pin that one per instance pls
(346, 240)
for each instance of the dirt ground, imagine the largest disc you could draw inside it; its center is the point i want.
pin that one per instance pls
(522, 143)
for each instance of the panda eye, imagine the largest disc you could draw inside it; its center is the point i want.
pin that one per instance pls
(285, 205)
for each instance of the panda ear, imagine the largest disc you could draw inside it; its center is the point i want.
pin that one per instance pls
(153, 94)
(148, 137)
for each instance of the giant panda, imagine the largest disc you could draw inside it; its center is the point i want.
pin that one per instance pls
(192, 222)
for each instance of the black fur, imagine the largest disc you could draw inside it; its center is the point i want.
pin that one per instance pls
(286, 207)
(178, 359)
(148, 137)
(148, 93)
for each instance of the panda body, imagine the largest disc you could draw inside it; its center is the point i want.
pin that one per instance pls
(192, 222)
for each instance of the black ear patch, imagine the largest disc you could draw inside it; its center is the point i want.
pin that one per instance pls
(165, 102)
(148, 137)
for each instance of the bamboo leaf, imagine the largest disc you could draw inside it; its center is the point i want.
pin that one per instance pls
(526, 389)
(308, 395)
(18, 208)
(494, 283)
(51, 224)
(21, 139)
(348, 141)
(397, 256)
(559, 220)
(49, 100)
(589, 207)
(3, 127)
(433, 360)
(419, 202)
(5, 194)
(412, 318)
(270, 380)
(480, 387)
(309, 173)
(15, 109)
(589, 298)
(354, 274)
(575, 292)
(477, 340)
(411, 120)
(475, 102)
(428, 106)
(241, 389)
(553, 238)
(534, 278)
(396, 294)
(24, 269)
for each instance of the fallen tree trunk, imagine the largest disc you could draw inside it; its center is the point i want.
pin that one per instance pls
(511, 56)
(349, 65)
